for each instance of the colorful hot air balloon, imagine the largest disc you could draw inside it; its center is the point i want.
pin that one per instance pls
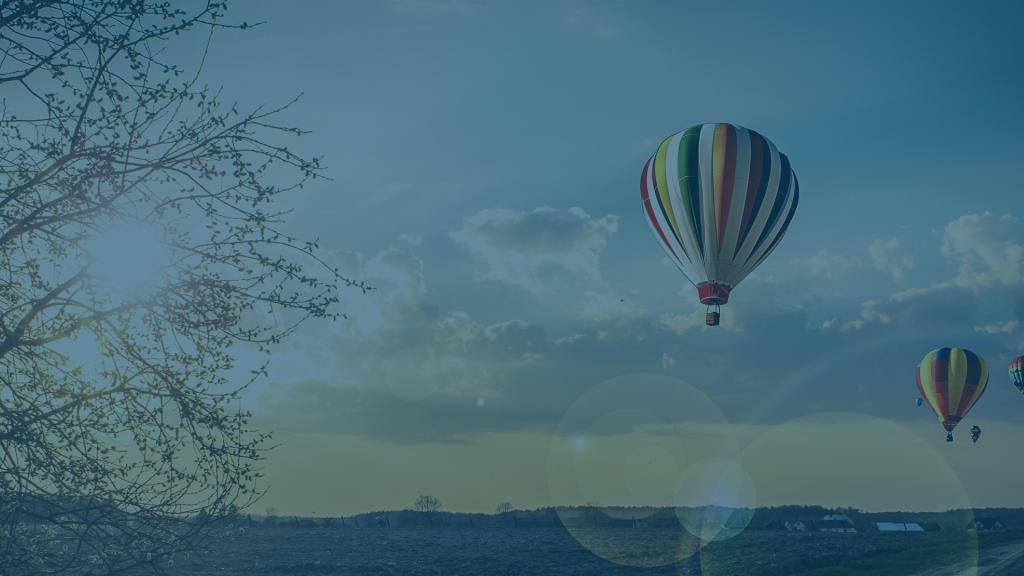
(718, 198)
(1017, 372)
(951, 380)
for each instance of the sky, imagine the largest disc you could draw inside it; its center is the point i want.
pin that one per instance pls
(527, 341)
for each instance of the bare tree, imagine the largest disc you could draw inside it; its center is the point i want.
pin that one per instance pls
(503, 508)
(121, 434)
(426, 503)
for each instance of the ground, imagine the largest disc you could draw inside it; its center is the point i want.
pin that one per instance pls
(290, 550)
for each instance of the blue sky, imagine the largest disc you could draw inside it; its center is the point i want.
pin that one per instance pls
(484, 161)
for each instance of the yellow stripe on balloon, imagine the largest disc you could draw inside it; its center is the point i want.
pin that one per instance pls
(957, 380)
(928, 384)
(661, 185)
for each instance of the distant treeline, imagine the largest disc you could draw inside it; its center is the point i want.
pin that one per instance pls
(772, 518)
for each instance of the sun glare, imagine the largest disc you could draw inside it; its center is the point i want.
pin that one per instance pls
(128, 259)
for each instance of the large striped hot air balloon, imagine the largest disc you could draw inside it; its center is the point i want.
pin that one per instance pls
(1017, 372)
(951, 380)
(718, 198)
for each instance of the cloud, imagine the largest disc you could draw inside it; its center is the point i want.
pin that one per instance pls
(682, 323)
(425, 374)
(1008, 327)
(826, 264)
(411, 239)
(419, 372)
(987, 249)
(886, 259)
(397, 278)
(988, 256)
(938, 304)
(537, 249)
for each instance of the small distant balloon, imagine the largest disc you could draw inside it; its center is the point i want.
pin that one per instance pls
(919, 401)
(1017, 372)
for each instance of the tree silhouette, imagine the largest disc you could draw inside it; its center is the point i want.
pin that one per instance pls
(426, 503)
(121, 436)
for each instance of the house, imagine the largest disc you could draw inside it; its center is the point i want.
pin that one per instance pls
(798, 525)
(986, 525)
(836, 526)
(837, 523)
(898, 527)
(838, 518)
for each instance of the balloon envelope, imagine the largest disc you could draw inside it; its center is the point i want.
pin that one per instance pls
(1017, 372)
(951, 380)
(718, 198)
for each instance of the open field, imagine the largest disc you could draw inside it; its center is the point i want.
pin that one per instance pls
(319, 550)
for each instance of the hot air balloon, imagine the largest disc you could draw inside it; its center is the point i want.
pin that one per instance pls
(718, 198)
(920, 401)
(951, 380)
(1017, 372)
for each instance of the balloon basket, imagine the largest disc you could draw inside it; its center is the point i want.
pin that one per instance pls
(949, 437)
(712, 318)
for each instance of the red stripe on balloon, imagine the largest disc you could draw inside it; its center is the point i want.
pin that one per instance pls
(645, 194)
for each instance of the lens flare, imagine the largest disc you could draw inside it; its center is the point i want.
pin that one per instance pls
(128, 260)
(616, 461)
(715, 499)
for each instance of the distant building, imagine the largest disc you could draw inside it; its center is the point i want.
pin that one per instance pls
(834, 523)
(838, 518)
(799, 525)
(898, 527)
(986, 525)
(836, 526)
(837, 523)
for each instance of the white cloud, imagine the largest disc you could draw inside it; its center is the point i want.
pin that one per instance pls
(910, 305)
(987, 249)
(411, 239)
(667, 362)
(826, 264)
(1008, 327)
(871, 312)
(397, 279)
(538, 248)
(886, 259)
(682, 323)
